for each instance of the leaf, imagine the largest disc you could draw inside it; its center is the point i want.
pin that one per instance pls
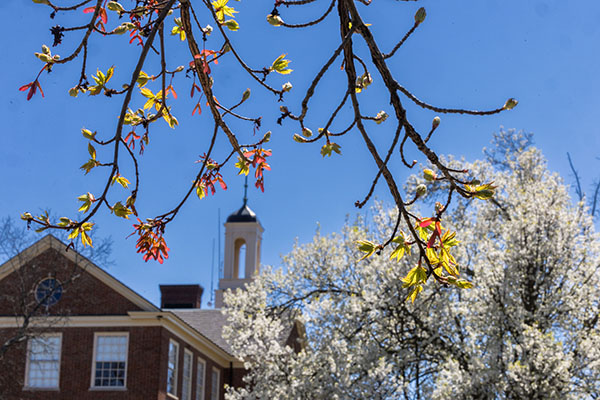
(171, 120)
(87, 167)
(366, 247)
(74, 233)
(242, 166)
(280, 65)
(329, 147)
(64, 221)
(109, 73)
(449, 239)
(398, 252)
(461, 283)
(147, 93)
(423, 223)
(88, 134)
(115, 6)
(402, 248)
(81, 231)
(415, 276)
(201, 190)
(87, 200)
(432, 256)
(414, 293)
(85, 239)
(142, 79)
(92, 151)
(121, 211)
(232, 25)
(221, 9)
(121, 180)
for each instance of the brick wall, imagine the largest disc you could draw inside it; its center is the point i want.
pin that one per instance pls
(224, 372)
(82, 293)
(143, 372)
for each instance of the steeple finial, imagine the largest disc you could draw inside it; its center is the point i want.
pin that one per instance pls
(246, 191)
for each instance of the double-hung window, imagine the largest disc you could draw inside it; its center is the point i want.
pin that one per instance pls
(110, 360)
(200, 372)
(172, 365)
(215, 385)
(43, 362)
(186, 390)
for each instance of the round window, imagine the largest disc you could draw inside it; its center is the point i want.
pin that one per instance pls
(48, 291)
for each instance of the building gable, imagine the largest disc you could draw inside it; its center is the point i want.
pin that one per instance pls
(86, 288)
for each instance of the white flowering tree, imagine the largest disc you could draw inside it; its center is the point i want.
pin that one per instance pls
(528, 329)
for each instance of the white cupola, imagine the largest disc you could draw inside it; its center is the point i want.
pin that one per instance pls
(243, 237)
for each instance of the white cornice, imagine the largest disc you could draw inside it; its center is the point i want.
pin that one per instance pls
(166, 320)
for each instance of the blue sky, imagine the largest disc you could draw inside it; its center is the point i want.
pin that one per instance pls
(468, 53)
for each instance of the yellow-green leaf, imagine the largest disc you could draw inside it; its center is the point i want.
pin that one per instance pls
(280, 65)
(366, 247)
(142, 79)
(121, 211)
(92, 151)
(232, 25)
(121, 180)
(88, 134)
(414, 293)
(415, 276)
(242, 166)
(147, 93)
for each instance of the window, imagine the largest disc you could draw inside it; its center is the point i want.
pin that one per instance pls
(186, 391)
(172, 368)
(200, 372)
(43, 362)
(110, 360)
(214, 391)
(48, 292)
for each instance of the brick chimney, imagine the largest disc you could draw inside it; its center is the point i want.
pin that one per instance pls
(180, 296)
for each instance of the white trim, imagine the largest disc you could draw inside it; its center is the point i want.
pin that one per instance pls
(186, 392)
(176, 368)
(218, 388)
(200, 396)
(188, 334)
(167, 320)
(50, 242)
(27, 362)
(93, 376)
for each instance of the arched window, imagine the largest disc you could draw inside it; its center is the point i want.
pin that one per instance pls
(239, 262)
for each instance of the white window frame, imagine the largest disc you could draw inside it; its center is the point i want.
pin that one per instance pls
(215, 391)
(93, 377)
(28, 362)
(186, 387)
(200, 390)
(175, 370)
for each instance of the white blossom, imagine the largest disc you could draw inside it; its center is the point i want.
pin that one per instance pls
(528, 328)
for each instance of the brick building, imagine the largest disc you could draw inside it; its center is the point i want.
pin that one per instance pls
(70, 330)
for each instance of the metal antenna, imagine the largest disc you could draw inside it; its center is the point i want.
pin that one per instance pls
(246, 191)
(212, 276)
(219, 243)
